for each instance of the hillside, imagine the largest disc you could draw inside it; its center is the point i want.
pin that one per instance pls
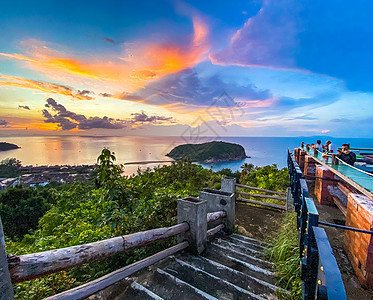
(208, 152)
(7, 146)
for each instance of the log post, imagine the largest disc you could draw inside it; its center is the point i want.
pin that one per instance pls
(6, 289)
(220, 200)
(194, 212)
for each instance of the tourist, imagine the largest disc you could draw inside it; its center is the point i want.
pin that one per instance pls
(319, 146)
(331, 148)
(346, 155)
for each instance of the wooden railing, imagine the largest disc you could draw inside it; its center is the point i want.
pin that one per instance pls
(263, 196)
(191, 211)
(319, 270)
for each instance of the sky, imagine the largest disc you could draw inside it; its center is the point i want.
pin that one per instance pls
(168, 68)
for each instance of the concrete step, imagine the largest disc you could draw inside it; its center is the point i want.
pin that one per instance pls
(245, 243)
(168, 286)
(205, 281)
(250, 240)
(241, 253)
(125, 289)
(245, 281)
(239, 264)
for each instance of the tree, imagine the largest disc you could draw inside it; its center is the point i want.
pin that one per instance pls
(10, 167)
(246, 168)
(108, 173)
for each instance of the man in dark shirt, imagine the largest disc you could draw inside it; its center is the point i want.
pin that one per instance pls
(346, 155)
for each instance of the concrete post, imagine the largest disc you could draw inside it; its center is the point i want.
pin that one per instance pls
(6, 288)
(194, 212)
(309, 165)
(302, 154)
(220, 200)
(289, 200)
(228, 184)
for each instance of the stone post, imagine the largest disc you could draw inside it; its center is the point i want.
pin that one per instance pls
(324, 186)
(6, 288)
(221, 201)
(194, 212)
(302, 154)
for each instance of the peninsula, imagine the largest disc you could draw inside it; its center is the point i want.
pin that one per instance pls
(7, 146)
(208, 152)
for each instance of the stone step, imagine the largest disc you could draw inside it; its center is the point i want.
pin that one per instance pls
(243, 249)
(245, 281)
(232, 261)
(205, 281)
(241, 253)
(247, 244)
(168, 286)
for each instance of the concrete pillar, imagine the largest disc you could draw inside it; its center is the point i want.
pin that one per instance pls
(302, 154)
(220, 200)
(228, 184)
(289, 200)
(6, 288)
(324, 186)
(194, 212)
(296, 154)
(309, 166)
(359, 246)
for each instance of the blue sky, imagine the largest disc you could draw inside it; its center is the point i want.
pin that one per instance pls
(254, 68)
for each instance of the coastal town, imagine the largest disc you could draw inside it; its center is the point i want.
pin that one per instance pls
(31, 176)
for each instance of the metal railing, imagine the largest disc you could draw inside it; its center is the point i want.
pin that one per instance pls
(321, 278)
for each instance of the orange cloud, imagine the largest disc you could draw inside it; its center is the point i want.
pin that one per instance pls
(41, 86)
(148, 61)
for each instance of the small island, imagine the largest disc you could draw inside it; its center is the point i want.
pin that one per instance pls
(208, 152)
(7, 146)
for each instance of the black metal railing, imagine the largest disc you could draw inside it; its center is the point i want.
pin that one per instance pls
(321, 278)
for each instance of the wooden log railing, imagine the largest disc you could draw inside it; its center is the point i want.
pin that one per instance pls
(263, 196)
(215, 216)
(39, 264)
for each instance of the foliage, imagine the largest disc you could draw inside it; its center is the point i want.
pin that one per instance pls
(268, 177)
(10, 167)
(206, 151)
(21, 208)
(284, 252)
(113, 205)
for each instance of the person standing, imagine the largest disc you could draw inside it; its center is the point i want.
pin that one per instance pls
(332, 148)
(319, 146)
(346, 155)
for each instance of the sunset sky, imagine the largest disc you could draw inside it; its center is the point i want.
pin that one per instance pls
(236, 68)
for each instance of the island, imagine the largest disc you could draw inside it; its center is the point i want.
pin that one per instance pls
(208, 152)
(7, 146)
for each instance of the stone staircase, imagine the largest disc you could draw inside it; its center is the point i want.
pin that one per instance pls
(232, 267)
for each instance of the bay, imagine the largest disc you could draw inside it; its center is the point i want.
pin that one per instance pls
(78, 150)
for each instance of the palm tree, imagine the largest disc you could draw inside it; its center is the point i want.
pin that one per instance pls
(246, 168)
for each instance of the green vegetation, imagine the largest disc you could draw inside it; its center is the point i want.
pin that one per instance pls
(285, 254)
(10, 167)
(208, 152)
(7, 146)
(62, 215)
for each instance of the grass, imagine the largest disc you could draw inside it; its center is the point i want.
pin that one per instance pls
(284, 253)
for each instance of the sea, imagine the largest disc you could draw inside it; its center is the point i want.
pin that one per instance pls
(135, 150)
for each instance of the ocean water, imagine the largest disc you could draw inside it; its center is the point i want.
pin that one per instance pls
(75, 150)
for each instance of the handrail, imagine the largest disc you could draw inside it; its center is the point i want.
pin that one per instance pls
(313, 244)
(261, 196)
(211, 232)
(213, 216)
(94, 286)
(39, 264)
